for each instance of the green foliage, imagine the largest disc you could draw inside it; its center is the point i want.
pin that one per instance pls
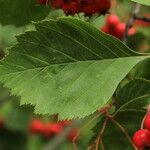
(69, 67)
(131, 104)
(7, 35)
(21, 12)
(144, 2)
(142, 70)
(134, 95)
(16, 118)
(59, 67)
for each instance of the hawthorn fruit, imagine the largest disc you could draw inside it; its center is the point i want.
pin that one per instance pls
(141, 139)
(146, 123)
(36, 126)
(42, 2)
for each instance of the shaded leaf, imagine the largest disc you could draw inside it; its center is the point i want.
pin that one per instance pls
(134, 95)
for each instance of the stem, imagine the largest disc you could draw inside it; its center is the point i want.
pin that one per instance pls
(102, 145)
(142, 123)
(98, 139)
(124, 131)
(75, 146)
(131, 21)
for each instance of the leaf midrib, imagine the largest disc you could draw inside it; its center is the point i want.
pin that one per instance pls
(66, 63)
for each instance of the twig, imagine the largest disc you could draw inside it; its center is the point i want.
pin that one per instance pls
(124, 131)
(142, 123)
(142, 18)
(75, 146)
(98, 139)
(131, 21)
(102, 145)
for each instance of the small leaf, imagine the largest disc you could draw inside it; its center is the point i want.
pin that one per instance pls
(134, 95)
(67, 67)
(142, 70)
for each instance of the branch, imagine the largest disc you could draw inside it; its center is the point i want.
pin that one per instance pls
(99, 137)
(131, 21)
(142, 18)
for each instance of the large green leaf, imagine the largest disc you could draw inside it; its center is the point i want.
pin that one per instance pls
(67, 67)
(144, 2)
(134, 95)
(21, 12)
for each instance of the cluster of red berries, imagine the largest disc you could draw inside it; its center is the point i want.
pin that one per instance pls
(116, 28)
(88, 7)
(51, 129)
(141, 138)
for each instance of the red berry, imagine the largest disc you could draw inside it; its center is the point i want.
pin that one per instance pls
(141, 139)
(131, 31)
(52, 129)
(119, 30)
(147, 122)
(1, 122)
(112, 20)
(36, 126)
(43, 2)
(104, 6)
(73, 135)
(56, 3)
(89, 7)
(105, 29)
(71, 7)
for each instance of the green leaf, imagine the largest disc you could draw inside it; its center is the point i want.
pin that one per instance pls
(8, 35)
(67, 67)
(144, 2)
(21, 12)
(134, 95)
(142, 70)
(16, 118)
